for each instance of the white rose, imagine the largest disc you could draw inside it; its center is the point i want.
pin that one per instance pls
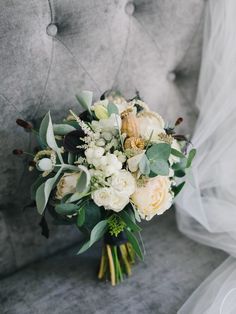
(150, 122)
(109, 164)
(124, 182)
(67, 184)
(110, 199)
(133, 162)
(93, 155)
(153, 198)
(102, 197)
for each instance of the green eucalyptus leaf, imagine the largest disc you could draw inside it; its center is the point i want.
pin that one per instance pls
(179, 173)
(62, 129)
(159, 151)
(177, 153)
(40, 180)
(44, 191)
(112, 108)
(180, 165)
(178, 188)
(144, 165)
(85, 99)
(160, 167)
(129, 222)
(46, 135)
(80, 217)
(93, 214)
(134, 242)
(191, 156)
(96, 234)
(66, 209)
(70, 158)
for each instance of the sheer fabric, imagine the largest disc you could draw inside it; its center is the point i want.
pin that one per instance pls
(206, 208)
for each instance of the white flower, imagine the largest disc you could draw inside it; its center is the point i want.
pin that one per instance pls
(67, 184)
(110, 199)
(133, 162)
(93, 154)
(124, 182)
(111, 124)
(109, 164)
(153, 198)
(150, 122)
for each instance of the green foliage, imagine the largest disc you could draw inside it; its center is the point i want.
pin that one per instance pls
(134, 242)
(62, 129)
(159, 152)
(92, 215)
(144, 165)
(129, 221)
(112, 108)
(159, 167)
(96, 234)
(191, 156)
(80, 217)
(66, 209)
(85, 99)
(178, 188)
(40, 180)
(177, 153)
(44, 191)
(158, 155)
(46, 135)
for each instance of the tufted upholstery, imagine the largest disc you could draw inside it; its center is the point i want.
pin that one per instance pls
(51, 49)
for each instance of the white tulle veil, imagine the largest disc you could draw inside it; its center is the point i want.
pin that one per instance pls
(206, 208)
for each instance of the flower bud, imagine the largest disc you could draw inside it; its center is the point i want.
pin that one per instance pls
(18, 152)
(24, 124)
(178, 121)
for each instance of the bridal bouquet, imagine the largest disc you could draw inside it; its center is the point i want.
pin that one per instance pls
(106, 169)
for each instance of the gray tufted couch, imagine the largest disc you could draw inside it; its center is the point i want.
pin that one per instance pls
(50, 49)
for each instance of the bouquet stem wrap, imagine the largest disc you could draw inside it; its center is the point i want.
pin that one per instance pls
(117, 257)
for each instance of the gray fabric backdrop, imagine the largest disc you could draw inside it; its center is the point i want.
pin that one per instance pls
(152, 46)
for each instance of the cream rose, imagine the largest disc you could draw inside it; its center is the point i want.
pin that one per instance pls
(67, 184)
(123, 181)
(110, 199)
(153, 198)
(150, 123)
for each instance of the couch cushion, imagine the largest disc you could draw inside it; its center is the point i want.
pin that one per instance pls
(174, 266)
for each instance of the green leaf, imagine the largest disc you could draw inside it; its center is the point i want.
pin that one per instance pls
(144, 165)
(82, 183)
(180, 165)
(129, 222)
(159, 151)
(85, 99)
(46, 135)
(70, 158)
(36, 185)
(112, 108)
(191, 156)
(178, 188)
(98, 231)
(179, 173)
(92, 215)
(62, 129)
(134, 242)
(177, 153)
(160, 167)
(81, 217)
(44, 191)
(66, 209)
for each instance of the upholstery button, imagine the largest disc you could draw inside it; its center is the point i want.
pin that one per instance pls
(130, 8)
(51, 30)
(171, 76)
